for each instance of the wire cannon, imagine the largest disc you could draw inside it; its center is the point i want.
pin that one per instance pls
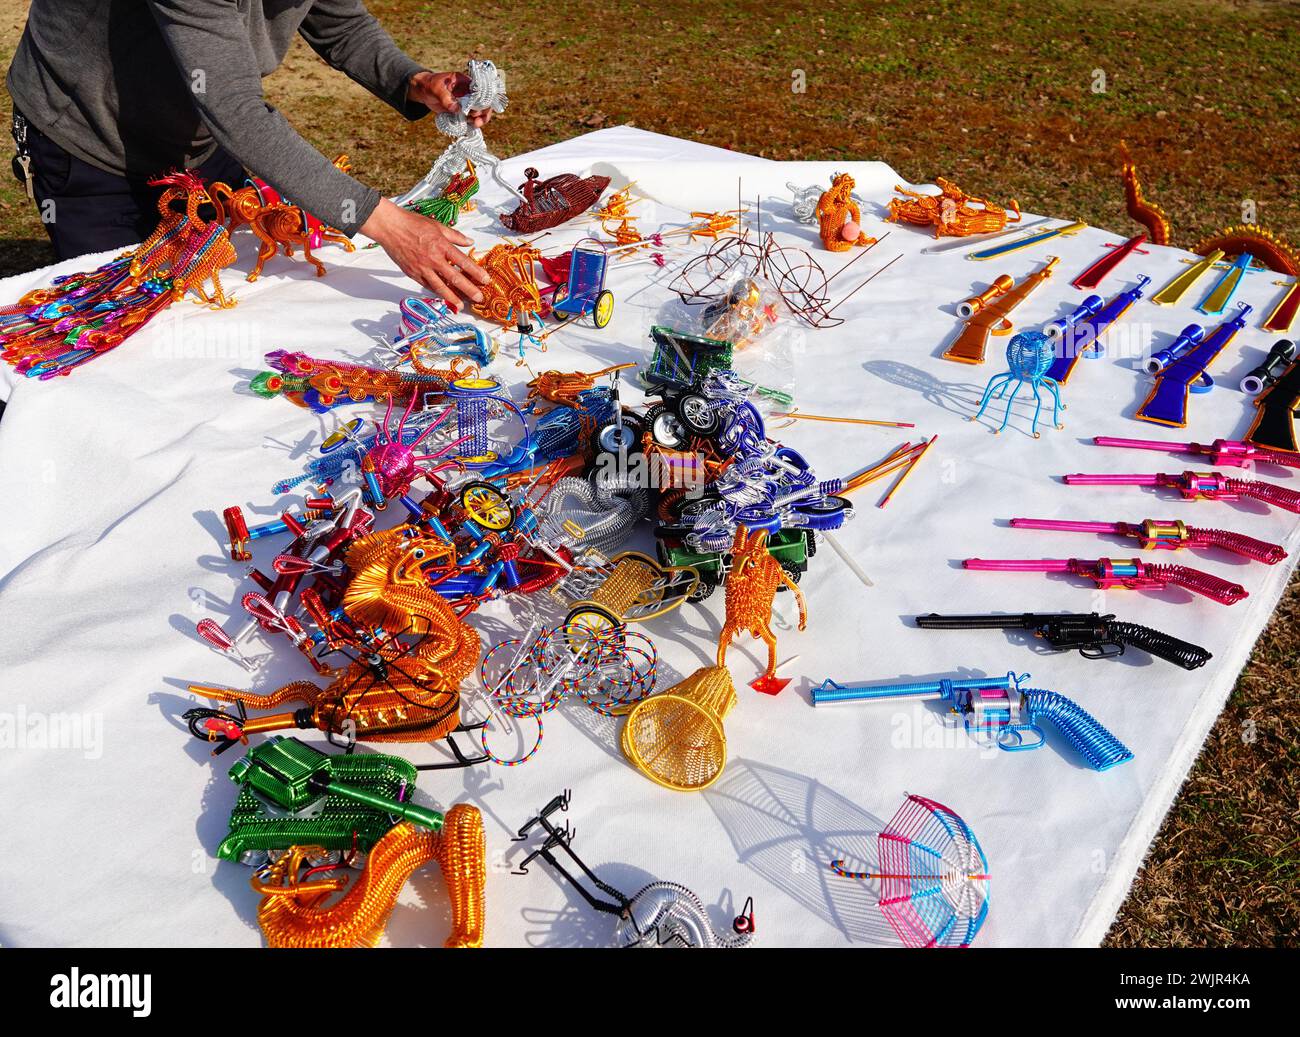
(999, 707)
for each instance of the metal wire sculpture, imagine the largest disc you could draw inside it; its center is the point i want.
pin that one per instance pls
(801, 281)
(293, 912)
(487, 89)
(661, 914)
(1029, 357)
(526, 677)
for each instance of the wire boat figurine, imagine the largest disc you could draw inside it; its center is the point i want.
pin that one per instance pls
(548, 203)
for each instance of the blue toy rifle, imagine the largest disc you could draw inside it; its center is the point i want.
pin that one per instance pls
(1081, 331)
(998, 705)
(1182, 370)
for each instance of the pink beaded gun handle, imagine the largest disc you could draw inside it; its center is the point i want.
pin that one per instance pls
(1167, 535)
(1201, 486)
(1228, 453)
(1132, 573)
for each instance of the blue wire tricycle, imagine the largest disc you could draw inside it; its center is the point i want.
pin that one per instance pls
(585, 292)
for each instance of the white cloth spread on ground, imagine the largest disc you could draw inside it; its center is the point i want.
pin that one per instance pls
(114, 480)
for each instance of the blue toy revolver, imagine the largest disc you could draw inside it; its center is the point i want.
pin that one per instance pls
(999, 706)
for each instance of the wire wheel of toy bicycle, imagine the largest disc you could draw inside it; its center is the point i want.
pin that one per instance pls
(590, 620)
(487, 506)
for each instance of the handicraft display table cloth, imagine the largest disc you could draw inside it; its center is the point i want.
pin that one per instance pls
(115, 479)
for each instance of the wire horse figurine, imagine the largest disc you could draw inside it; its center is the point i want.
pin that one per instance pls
(662, 914)
(1029, 357)
(933, 875)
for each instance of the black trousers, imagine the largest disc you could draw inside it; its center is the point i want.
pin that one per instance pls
(85, 209)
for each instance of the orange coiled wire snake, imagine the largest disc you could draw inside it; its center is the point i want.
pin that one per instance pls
(292, 914)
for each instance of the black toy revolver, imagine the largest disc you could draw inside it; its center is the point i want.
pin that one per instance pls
(1094, 636)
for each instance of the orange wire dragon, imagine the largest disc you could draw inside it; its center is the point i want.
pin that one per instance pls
(418, 700)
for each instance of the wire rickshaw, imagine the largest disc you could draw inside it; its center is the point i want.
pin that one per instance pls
(584, 292)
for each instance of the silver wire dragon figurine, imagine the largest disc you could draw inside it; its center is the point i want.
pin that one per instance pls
(487, 90)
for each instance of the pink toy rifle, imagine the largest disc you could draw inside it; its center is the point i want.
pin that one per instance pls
(1227, 452)
(1201, 486)
(1166, 535)
(1132, 573)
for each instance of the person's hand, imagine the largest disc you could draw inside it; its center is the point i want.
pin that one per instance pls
(426, 251)
(441, 91)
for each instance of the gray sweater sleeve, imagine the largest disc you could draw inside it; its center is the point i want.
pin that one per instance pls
(349, 38)
(210, 44)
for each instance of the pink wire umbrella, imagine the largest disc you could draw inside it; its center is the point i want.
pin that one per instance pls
(933, 875)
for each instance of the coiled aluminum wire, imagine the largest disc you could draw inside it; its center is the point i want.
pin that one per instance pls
(606, 509)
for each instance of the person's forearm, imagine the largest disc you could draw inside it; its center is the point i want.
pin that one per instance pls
(347, 36)
(212, 50)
